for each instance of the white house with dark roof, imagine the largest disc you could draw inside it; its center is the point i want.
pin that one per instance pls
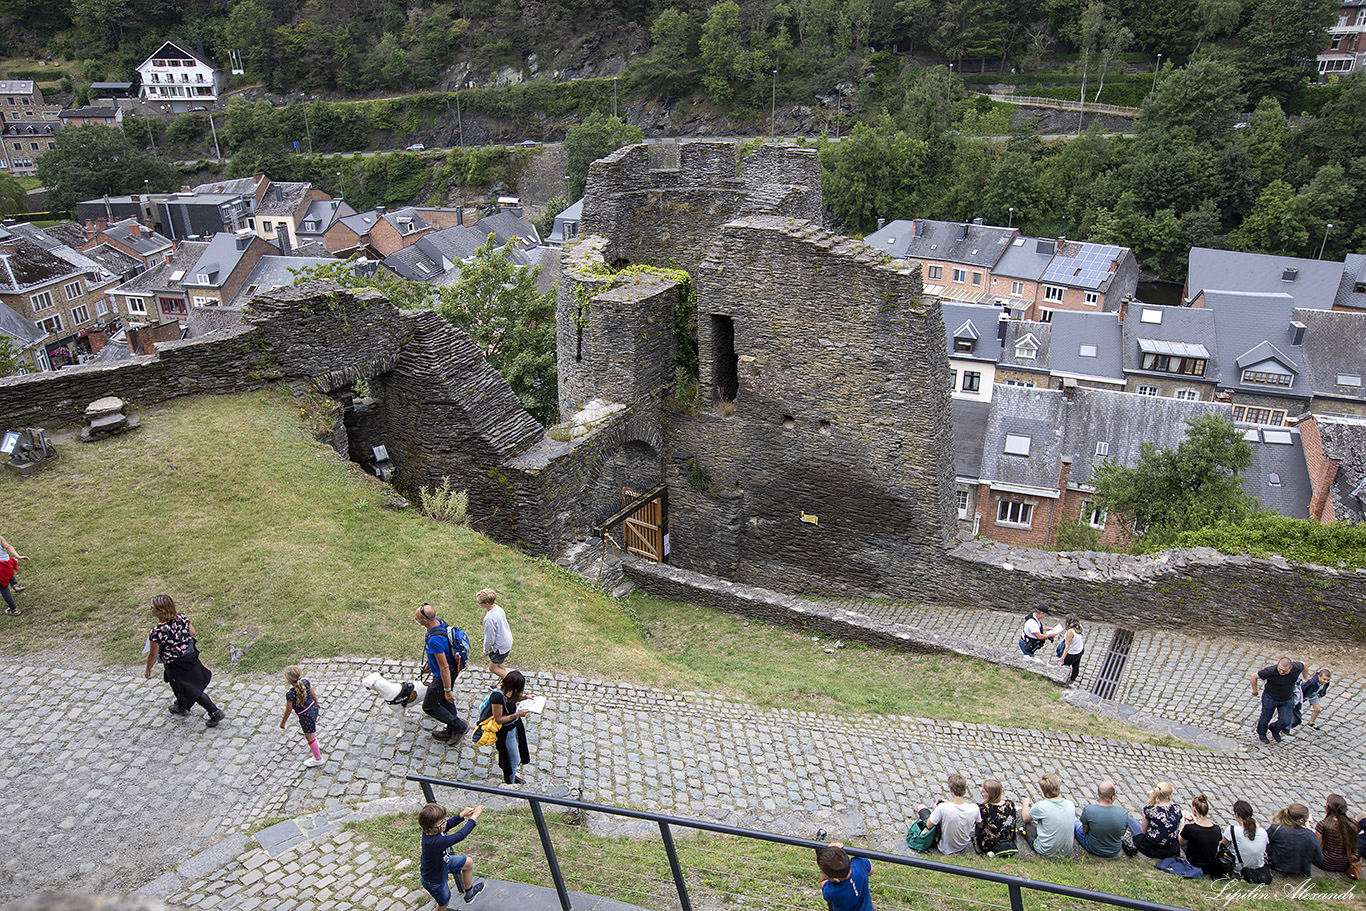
(973, 334)
(180, 78)
(1078, 349)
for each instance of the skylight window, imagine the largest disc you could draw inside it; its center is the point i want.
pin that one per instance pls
(1279, 437)
(1087, 351)
(1349, 379)
(1151, 316)
(1017, 444)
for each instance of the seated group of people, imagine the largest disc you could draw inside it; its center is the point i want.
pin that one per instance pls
(1105, 829)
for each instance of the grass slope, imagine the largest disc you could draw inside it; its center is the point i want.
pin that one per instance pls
(265, 537)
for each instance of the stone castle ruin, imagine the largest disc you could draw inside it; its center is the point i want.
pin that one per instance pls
(808, 447)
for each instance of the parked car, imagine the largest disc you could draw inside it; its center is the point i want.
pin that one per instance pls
(416, 147)
(199, 107)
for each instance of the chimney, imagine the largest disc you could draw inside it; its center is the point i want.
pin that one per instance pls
(963, 231)
(1290, 274)
(881, 223)
(1002, 327)
(1064, 472)
(1069, 392)
(1296, 332)
(91, 229)
(169, 254)
(1124, 307)
(977, 221)
(1061, 240)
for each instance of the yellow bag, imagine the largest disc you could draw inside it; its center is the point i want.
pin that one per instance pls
(486, 732)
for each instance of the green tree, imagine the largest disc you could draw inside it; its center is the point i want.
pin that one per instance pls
(877, 172)
(12, 197)
(555, 206)
(595, 137)
(496, 303)
(9, 358)
(720, 50)
(94, 160)
(1280, 41)
(1168, 491)
(1197, 104)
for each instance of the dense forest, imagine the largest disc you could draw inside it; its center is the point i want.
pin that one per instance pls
(1233, 147)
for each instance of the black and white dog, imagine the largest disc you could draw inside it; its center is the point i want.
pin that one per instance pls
(401, 696)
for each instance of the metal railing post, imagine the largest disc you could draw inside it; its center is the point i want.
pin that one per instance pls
(427, 792)
(548, 846)
(1016, 898)
(679, 882)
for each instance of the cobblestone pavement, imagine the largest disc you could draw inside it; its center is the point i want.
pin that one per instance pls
(115, 794)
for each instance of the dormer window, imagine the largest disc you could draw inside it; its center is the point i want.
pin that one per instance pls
(964, 345)
(1267, 377)
(1027, 349)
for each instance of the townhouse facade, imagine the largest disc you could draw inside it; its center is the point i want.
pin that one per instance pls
(1345, 50)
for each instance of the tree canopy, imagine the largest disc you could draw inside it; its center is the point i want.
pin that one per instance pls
(595, 137)
(94, 160)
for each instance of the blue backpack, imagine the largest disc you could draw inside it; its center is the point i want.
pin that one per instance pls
(457, 647)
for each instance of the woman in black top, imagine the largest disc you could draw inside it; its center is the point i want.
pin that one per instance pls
(512, 748)
(172, 643)
(1200, 838)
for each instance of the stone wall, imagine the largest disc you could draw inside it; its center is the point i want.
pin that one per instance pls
(218, 363)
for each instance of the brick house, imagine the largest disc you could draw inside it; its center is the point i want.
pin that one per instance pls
(956, 258)
(158, 295)
(222, 269)
(1346, 45)
(377, 231)
(24, 142)
(1335, 451)
(1083, 276)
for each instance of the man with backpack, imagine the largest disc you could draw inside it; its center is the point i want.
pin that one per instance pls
(1034, 635)
(445, 659)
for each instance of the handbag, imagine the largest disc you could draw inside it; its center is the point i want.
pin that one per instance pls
(486, 729)
(1224, 863)
(1255, 875)
(918, 838)
(1354, 868)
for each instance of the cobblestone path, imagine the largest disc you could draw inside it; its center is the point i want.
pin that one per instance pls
(114, 793)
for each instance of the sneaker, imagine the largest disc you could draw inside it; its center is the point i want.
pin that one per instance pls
(213, 719)
(1262, 738)
(310, 762)
(175, 709)
(1276, 735)
(473, 891)
(1312, 725)
(15, 586)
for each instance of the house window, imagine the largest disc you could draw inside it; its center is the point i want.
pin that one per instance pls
(102, 306)
(1170, 363)
(1148, 390)
(72, 290)
(1092, 516)
(1092, 298)
(1026, 352)
(80, 314)
(960, 276)
(964, 345)
(41, 301)
(1016, 288)
(972, 381)
(977, 279)
(1272, 416)
(171, 305)
(206, 302)
(53, 324)
(1014, 512)
(1188, 395)
(962, 496)
(1267, 379)
(1349, 379)
(1102, 448)
(1045, 316)
(1052, 293)
(137, 305)
(1025, 383)
(936, 272)
(1016, 444)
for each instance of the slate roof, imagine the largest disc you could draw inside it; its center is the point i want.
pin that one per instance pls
(282, 197)
(1057, 428)
(1253, 328)
(1041, 334)
(1353, 276)
(1344, 441)
(32, 128)
(238, 186)
(180, 48)
(1190, 325)
(1315, 283)
(219, 259)
(114, 259)
(975, 321)
(925, 238)
(438, 253)
(361, 223)
(158, 278)
(16, 86)
(92, 110)
(1026, 257)
(325, 212)
(271, 272)
(1086, 345)
(40, 257)
(24, 331)
(1334, 350)
(570, 216)
(504, 226)
(1278, 476)
(969, 425)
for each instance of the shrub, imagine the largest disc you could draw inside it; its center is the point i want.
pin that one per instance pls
(1300, 540)
(443, 504)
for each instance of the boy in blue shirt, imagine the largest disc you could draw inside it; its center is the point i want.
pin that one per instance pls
(844, 880)
(437, 863)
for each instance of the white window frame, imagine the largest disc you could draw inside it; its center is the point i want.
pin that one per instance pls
(962, 497)
(1017, 444)
(1091, 516)
(80, 314)
(1148, 390)
(1092, 299)
(1053, 293)
(40, 301)
(137, 306)
(102, 306)
(72, 290)
(1187, 395)
(960, 276)
(1102, 448)
(1016, 289)
(206, 302)
(1014, 513)
(1045, 315)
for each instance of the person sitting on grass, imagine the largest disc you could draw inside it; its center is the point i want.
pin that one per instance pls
(1337, 835)
(1290, 847)
(1201, 838)
(844, 880)
(1161, 824)
(956, 817)
(996, 832)
(1050, 819)
(1102, 826)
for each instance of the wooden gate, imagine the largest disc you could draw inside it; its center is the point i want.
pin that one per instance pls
(644, 530)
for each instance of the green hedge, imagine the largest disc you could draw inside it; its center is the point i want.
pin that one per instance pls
(45, 74)
(1299, 540)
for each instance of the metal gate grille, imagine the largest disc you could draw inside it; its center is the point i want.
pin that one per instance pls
(1112, 671)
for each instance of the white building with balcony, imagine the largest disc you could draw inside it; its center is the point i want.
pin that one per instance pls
(179, 78)
(1346, 51)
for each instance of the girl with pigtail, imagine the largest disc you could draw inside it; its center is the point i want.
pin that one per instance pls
(300, 700)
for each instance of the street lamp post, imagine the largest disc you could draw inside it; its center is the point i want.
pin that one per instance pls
(1157, 70)
(340, 188)
(1011, 223)
(1325, 239)
(307, 131)
(773, 110)
(217, 152)
(614, 96)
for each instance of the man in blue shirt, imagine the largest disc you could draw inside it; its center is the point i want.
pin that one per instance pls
(440, 699)
(844, 881)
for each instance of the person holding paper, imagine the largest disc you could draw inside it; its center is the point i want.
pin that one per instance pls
(512, 747)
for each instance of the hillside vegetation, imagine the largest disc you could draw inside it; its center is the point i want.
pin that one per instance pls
(273, 544)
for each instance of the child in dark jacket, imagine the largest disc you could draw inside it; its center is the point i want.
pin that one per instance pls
(844, 880)
(437, 862)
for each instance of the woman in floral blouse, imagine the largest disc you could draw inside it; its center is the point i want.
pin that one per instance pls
(172, 643)
(1161, 824)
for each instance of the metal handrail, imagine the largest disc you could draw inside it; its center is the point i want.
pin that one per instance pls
(1015, 884)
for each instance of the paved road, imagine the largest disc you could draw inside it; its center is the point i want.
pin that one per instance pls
(114, 793)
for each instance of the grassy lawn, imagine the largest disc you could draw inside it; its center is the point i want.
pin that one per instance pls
(724, 872)
(269, 540)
